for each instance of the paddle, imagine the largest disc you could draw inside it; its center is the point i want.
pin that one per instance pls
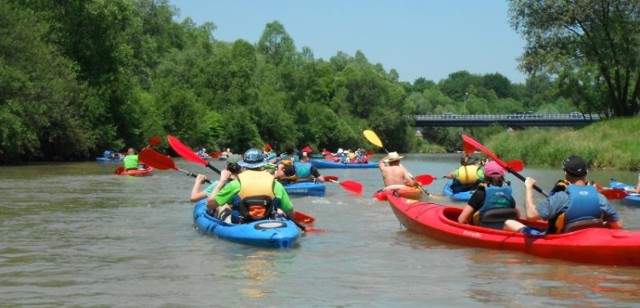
(352, 186)
(614, 194)
(154, 141)
(162, 162)
(188, 154)
(375, 140)
(330, 177)
(469, 144)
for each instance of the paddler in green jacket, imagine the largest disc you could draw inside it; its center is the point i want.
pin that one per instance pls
(131, 161)
(255, 195)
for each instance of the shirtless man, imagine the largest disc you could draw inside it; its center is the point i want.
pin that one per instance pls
(394, 175)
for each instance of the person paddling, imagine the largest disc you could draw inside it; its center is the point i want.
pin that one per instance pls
(394, 175)
(131, 161)
(213, 188)
(571, 205)
(492, 203)
(255, 194)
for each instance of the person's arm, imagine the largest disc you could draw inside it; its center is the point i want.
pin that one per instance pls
(383, 163)
(530, 210)
(316, 174)
(225, 176)
(466, 213)
(285, 203)
(611, 217)
(224, 195)
(195, 191)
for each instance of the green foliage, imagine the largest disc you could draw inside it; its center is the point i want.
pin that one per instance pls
(600, 39)
(90, 75)
(610, 143)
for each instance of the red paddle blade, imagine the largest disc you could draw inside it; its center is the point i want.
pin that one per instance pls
(330, 178)
(302, 218)
(154, 140)
(119, 170)
(156, 160)
(516, 165)
(380, 195)
(368, 153)
(467, 147)
(184, 151)
(470, 142)
(352, 186)
(614, 194)
(325, 152)
(425, 179)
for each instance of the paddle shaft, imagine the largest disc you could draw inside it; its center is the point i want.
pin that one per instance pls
(480, 147)
(191, 174)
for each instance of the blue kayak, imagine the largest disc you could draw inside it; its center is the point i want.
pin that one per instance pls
(108, 160)
(461, 196)
(326, 164)
(632, 199)
(271, 233)
(306, 189)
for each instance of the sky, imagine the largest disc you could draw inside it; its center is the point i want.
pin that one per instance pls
(417, 38)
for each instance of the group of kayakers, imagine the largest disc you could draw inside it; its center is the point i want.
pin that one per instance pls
(571, 205)
(247, 191)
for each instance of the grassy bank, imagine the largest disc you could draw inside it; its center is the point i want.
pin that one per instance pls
(606, 144)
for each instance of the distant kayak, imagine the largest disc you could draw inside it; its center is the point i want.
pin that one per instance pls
(326, 164)
(147, 171)
(591, 245)
(632, 199)
(270, 233)
(306, 189)
(460, 196)
(108, 159)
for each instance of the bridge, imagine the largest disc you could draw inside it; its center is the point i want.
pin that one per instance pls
(510, 120)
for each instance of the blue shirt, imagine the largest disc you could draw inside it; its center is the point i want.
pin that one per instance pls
(550, 207)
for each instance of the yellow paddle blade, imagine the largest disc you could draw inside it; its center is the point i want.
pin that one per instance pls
(372, 137)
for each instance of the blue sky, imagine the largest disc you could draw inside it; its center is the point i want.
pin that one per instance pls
(428, 38)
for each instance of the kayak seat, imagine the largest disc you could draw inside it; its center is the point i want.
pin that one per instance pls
(584, 224)
(495, 218)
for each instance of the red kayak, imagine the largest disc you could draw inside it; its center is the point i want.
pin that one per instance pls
(147, 171)
(410, 192)
(593, 245)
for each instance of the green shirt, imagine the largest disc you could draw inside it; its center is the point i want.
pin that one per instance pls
(210, 188)
(226, 194)
(130, 162)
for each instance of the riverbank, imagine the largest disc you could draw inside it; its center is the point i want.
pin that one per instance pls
(605, 144)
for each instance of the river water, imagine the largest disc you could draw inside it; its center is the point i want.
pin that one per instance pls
(77, 235)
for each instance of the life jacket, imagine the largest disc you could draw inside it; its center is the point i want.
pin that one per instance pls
(468, 175)
(583, 210)
(498, 206)
(289, 169)
(255, 200)
(303, 170)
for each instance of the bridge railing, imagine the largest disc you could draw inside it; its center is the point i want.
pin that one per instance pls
(550, 116)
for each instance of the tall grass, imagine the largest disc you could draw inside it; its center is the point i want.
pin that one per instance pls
(605, 144)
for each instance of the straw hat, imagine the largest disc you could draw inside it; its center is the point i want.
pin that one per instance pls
(393, 156)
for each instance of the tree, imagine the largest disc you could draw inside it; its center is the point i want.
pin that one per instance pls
(570, 35)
